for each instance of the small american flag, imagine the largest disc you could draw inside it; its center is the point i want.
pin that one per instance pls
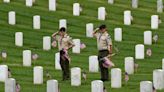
(4, 54)
(108, 63)
(82, 46)
(18, 88)
(149, 52)
(126, 77)
(155, 38)
(35, 56)
(84, 75)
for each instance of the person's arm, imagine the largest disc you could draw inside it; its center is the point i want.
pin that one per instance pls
(110, 49)
(95, 31)
(71, 44)
(54, 34)
(109, 43)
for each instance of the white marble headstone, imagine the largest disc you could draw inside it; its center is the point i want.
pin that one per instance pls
(93, 64)
(27, 58)
(52, 5)
(148, 37)
(19, 39)
(97, 86)
(118, 34)
(76, 9)
(139, 51)
(158, 79)
(46, 43)
(111, 1)
(10, 85)
(89, 29)
(57, 61)
(101, 13)
(154, 21)
(29, 3)
(12, 18)
(36, 22)
(76, 48)
(62, 23)
(116, 79)
(3, 73)
(52, 86)
(6, 1)
(134, 3)
(75, 76)
(38, 75)
(127, 17)
(146, 86)
(160, 6)
(129, 65)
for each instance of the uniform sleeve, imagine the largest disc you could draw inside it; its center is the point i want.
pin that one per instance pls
(70, 40)
(56, 38)
(109, 40)
(96, 34)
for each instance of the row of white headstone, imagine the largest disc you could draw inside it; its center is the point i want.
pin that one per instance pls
(135, 4)
(52, 6)
(96, 86)
(46, 42)
(36, 20)
(93, 61)
(38, 75)
(10, 85)
(52, 85)
(127, 21)
(29, 3)
(77, 8)
(101, 16)
(116, 81)
(94, 64)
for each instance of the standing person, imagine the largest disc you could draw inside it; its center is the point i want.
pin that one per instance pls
(64, 43)
(104, 43)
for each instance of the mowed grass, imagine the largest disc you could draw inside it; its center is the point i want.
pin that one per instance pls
(132, 35)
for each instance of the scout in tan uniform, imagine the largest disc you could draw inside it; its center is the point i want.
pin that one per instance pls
(64, 43)
(104, 44)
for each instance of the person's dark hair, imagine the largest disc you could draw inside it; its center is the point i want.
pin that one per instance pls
(63, 29)
(102, 27)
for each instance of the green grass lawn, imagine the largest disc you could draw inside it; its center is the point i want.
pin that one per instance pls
(132, 35)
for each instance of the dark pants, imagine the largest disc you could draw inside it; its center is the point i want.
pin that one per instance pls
(104, 71)
(65, 67)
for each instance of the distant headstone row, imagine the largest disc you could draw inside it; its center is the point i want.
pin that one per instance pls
(77, 9)
(128, 18)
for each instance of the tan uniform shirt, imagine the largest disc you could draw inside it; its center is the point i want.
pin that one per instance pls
(103, 41)
(64, 42)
